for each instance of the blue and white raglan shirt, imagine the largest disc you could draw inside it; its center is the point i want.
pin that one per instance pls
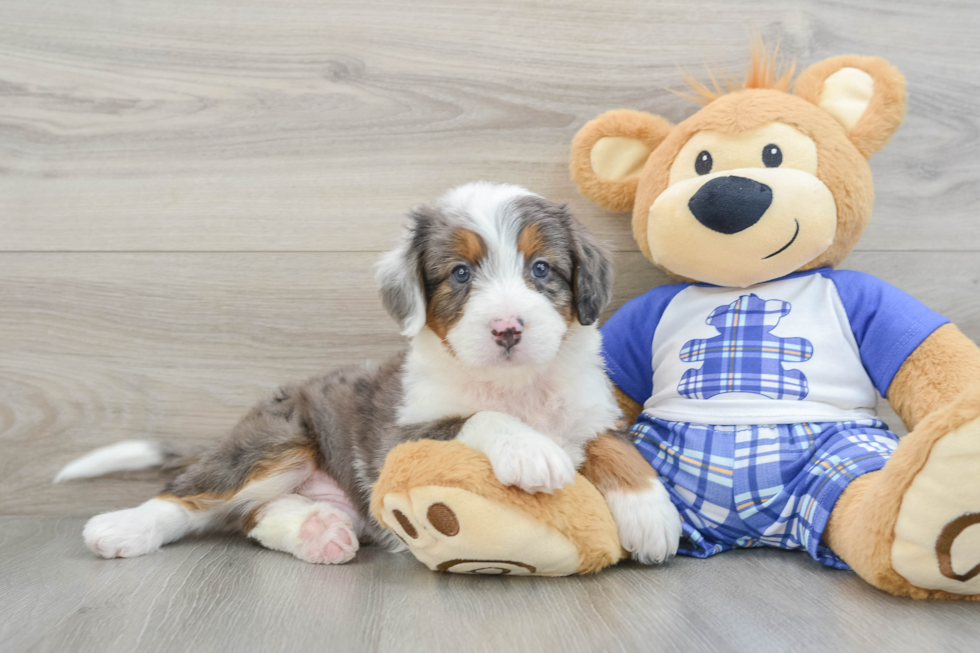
(809, 347)
(759, 403)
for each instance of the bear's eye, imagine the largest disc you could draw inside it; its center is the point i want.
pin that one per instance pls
(702, 165)
(772, 156)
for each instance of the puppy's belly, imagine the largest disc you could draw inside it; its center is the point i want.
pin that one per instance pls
(321, 487)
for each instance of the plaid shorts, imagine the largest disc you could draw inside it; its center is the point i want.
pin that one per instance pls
(748, 486)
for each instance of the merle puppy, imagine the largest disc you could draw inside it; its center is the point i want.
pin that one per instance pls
(498, 290)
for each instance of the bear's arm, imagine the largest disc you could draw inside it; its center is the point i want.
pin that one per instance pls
(944, 365)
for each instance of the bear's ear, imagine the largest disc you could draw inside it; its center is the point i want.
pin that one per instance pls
(609, 152)
(864, 94)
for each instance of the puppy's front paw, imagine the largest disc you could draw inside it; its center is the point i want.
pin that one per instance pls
(532, 463)
(648, 523)
(519, 455)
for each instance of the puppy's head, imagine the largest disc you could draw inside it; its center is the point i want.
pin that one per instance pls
(497, 273)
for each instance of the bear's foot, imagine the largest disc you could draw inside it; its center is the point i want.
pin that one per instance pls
(913, 528)
(937, 532)
(444, 501)
(449, 529)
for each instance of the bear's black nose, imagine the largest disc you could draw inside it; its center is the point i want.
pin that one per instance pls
(730, 204)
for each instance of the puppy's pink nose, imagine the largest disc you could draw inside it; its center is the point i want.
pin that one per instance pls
(515, 324)
(507, 332)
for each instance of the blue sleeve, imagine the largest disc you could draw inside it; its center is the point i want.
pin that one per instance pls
(888, 324)
(627, 341)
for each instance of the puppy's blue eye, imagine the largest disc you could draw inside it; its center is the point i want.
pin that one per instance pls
(461, 274)
(540, 270)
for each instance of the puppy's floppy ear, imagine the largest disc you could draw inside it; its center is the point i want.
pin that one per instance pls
(593, 274)
(609, 153)
(864, 94)
(399, 274)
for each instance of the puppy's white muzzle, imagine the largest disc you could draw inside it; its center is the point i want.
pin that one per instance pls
(507, 323)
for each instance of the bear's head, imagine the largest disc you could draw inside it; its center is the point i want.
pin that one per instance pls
(760, 182)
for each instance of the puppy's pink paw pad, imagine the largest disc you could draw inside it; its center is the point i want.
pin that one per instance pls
(336, 552)
(327, 537)
(317, 524)
(343, 537)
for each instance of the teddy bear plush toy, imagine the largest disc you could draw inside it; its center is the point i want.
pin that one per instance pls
(751, 384)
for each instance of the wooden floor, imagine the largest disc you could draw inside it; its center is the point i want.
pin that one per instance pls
(230, 595)
(192, 195)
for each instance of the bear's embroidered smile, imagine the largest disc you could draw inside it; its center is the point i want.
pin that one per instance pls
(791, 240)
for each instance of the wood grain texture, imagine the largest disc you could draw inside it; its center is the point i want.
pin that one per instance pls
(226, 594)
(249, 125)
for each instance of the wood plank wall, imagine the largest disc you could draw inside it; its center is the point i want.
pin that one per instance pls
(193, 192)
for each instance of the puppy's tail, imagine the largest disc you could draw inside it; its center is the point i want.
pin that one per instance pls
(130, 455)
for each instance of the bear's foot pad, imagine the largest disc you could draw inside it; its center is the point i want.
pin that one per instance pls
(450, 529)
(937, 534)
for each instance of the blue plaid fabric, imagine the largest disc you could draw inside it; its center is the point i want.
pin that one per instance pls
(745, 357)
(750, 486)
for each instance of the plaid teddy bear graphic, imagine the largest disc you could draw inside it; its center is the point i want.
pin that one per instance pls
(745, 357)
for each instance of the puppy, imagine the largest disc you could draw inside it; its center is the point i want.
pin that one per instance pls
(499, 291)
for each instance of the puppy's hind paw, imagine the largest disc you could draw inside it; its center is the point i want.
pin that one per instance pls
(128, 533)
(327, 536)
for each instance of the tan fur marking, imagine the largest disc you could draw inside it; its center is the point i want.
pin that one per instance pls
(251, 520)
(532, 244)
(282, 463)
(197, 502)
(285, 462)
(631, 409)
(438, 321)
(570, 316)
(531, 241)
(469, 245)
(612, 464)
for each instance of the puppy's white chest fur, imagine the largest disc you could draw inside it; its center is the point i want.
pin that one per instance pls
(569, 399)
